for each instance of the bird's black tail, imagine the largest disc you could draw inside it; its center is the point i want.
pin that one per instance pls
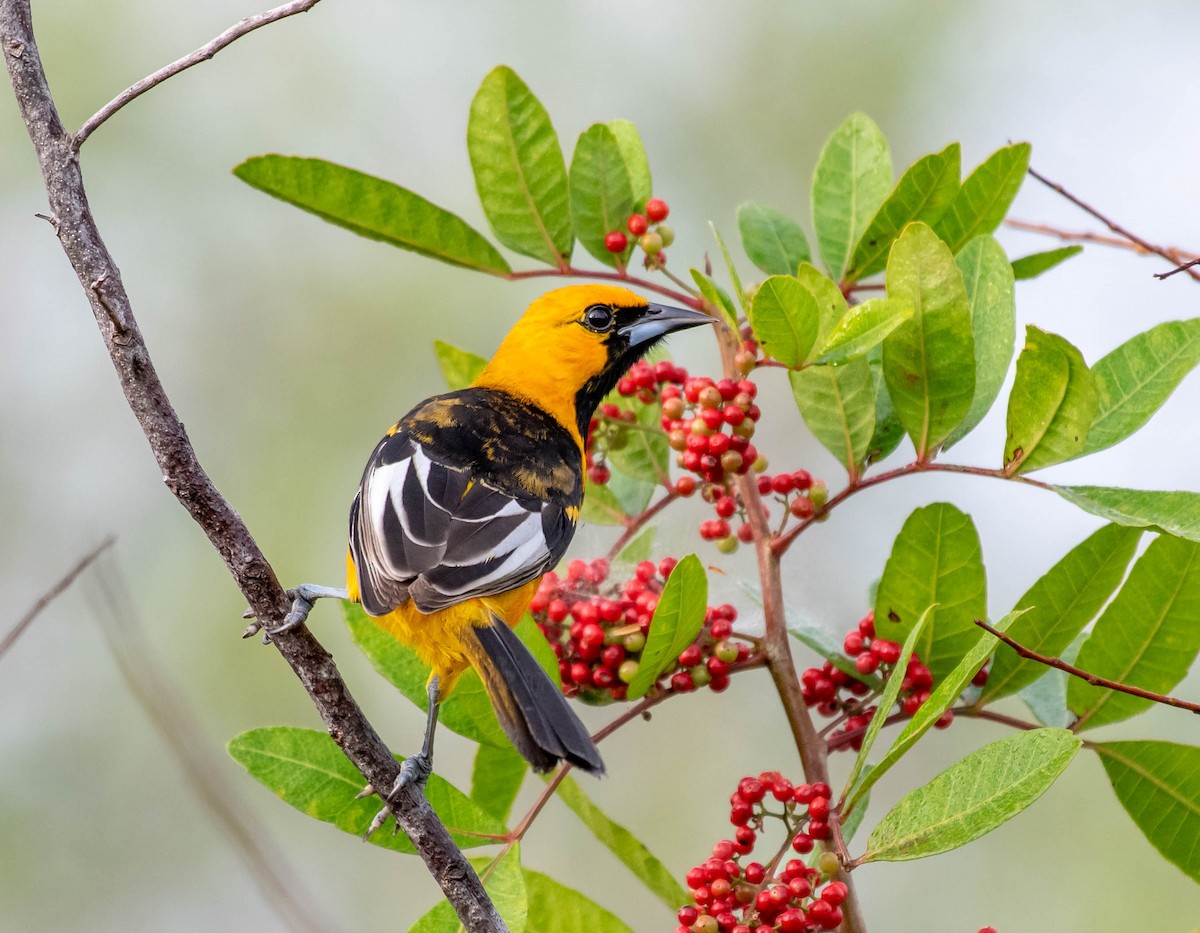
(532, 710)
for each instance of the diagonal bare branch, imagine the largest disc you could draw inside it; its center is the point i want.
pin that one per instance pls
(186, 479)
(50, 595)
(202, 54)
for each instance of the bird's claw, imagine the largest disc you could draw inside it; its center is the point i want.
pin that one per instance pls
(414, 772)
(303, 597)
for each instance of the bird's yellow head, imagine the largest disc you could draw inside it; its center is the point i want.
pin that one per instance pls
(572, 345)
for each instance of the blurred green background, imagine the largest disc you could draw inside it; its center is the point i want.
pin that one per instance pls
(288, 345)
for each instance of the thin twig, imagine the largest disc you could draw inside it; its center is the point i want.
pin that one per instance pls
(202, 54)
(1111, 224)
(51, 594)
(171, 716)
(1087, 236)
(573, 272)
(186, 479)
(1094, 679)
(1180, 268)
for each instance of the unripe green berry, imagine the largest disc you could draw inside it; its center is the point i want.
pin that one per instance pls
(651, 243)
(728, 544)
(700, 675)
(667, 234)
(829, 864)
(818, 493)
(726, 652)
(627, 671)
(634, 642)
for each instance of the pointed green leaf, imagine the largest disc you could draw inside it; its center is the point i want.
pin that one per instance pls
(555, 908)
(1138, 376)
(863, 327)
(1052, 404)
(676, 623)
(519, 169)
(1176, 513)
(785, 319)
(851, 180)
(831, 303)
(1158, 784)
(883, 709)
(970, 799)
(1147, 637)
(467, 710)
(985, 197)
(944, 695)
(504, 881)
(717, 297)
(601, 506)
(988, 279)
(308, 771)
(923, 193)
(936, 560)
(929, 361)
(374, 208)
(496, 779)
(730, 268)
(838, 405)
(629, 141)
(601, 191)
(773, 241)
(1033, 265)
(1060, 604)
(624, 845)
(459, 367)
(889, 432)
(643, 450)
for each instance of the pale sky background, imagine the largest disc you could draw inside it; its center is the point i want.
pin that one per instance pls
(288, 345)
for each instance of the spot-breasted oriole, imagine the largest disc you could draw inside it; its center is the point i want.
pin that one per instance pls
(474, 494)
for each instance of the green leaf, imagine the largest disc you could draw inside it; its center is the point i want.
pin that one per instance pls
(467, 710)
(863, 327)
(988, 279)
(717, 297)
(645, 451)
(970, 799)
(496, 778)
(773, 241)
(519, 169)
(308, 771)
(785, 319)
(944, 695)
(1176, 513)
(504, 881)
(1135, 379)
(1052, 404)
(883, 709)
(459, 367)
(374, 208)
(831, 303)
(985, 197)
(1033, 265)
(923, 193)
(601, 506)
(1046, 697)
(677, 621)
(1060, 604)
(639, 548)
(1158, 784)
(851, 180)
(730, 268)
(888, 430)
(1147, 637)
(601, 191)
(624, 845)
(637, 165)
(936, 560)
(929, 361)
(555, 908)
(838, 405)
(820, 641)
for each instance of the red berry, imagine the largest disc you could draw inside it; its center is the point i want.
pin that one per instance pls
(615, 241)
(657, 209)
(944, 720)
(782, 483)
(687, 915)
(637, 224)
(802, 843)
(852, 644)
(818, 807)
(888, 652)
(755, 873)
(980, 678)
(801, 507)
(835, 892)
(867, 663)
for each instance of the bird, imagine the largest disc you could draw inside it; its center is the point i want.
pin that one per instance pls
(474, 494)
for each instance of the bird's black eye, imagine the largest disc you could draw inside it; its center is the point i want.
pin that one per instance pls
(598, 318)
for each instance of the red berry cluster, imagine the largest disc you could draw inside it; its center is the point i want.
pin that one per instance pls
(653, 241)
(836, 693)
(598, 630)
(786, 901)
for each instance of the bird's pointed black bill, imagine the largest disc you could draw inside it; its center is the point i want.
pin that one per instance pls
(659, 320)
